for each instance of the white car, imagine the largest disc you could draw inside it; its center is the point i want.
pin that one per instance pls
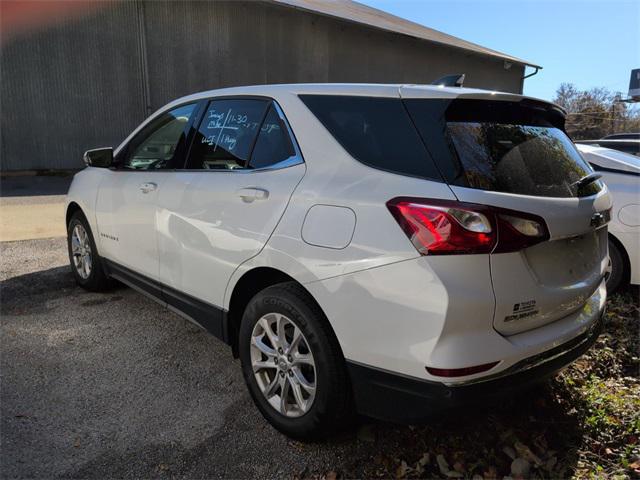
(630, 146)
(621, 173)
(383, 249)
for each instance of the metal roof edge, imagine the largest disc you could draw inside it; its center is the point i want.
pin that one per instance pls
(405, 27)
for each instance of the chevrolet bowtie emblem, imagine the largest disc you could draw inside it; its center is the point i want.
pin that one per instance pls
(597, 220)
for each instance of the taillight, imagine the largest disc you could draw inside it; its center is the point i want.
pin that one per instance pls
(443, 227)
(439, 229)
(517, 233)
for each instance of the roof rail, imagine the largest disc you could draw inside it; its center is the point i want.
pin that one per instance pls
(450, 80)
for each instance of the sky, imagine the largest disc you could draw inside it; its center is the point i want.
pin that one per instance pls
(590, 43)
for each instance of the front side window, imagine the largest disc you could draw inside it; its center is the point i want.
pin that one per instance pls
(226, 135)
(159, 144)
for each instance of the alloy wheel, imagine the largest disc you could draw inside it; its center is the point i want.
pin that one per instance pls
(283, 364)
(81, 251)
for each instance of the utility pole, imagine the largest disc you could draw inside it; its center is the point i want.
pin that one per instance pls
(612, 127)
(616, 100)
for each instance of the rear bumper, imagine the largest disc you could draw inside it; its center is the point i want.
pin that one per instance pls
(436, 312)
(389, 396)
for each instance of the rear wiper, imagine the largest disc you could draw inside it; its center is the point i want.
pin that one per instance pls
(586, 180)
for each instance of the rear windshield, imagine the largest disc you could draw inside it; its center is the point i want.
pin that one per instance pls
(375, 131)
(502, 146)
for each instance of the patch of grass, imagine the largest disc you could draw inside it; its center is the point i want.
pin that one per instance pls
(603, 388)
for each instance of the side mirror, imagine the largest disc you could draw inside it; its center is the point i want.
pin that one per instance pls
(98, 157)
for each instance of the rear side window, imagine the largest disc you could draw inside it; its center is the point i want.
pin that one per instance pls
(226, 135)
(375, 131)
(501, 146)
(273, 144)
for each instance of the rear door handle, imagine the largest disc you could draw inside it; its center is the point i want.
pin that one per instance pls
(148, 187)
(250, 194)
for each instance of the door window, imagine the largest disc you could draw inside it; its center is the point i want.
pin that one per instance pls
(160, 143)
(227, 134)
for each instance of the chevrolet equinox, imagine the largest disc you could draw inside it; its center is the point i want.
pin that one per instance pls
(388, 250)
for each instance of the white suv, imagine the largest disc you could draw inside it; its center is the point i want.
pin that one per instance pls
(382, 249)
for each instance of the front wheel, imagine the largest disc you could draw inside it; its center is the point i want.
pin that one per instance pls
(293, 365)
(86, 264)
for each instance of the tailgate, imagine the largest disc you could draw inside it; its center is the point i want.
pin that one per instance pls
(552, 279)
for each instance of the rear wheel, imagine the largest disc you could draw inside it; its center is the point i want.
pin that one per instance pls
(616, 270)
(293, 365)
(86, 264)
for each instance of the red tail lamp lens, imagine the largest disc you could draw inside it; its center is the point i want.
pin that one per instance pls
(443, 227)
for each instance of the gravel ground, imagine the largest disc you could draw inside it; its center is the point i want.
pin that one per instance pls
(112, 385)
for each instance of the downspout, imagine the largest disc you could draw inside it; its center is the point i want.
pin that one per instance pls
(532, 74)
(144, 61)
(527, 76)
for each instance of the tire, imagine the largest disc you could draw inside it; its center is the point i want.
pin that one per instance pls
(92, 278)
(330, 409)
(617, 273)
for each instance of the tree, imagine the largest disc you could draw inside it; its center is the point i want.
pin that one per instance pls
(592, 114)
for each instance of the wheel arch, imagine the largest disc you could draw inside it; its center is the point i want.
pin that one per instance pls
(72, 208)
(250, 284)
(626, 275)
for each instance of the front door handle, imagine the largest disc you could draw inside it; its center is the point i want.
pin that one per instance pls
(252, 193)
(148, 187)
